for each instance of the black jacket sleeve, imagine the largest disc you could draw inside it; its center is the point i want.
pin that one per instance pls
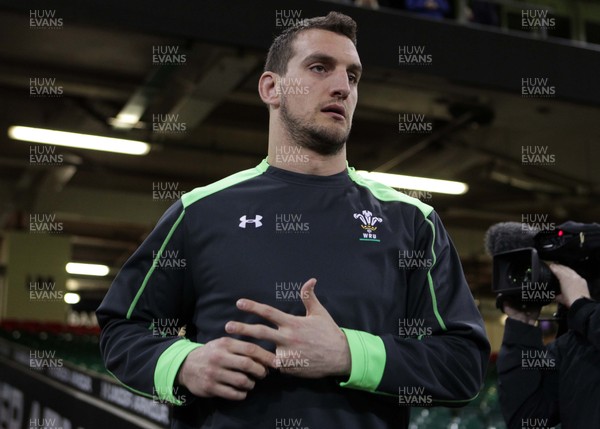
(584, 318)
(145, 308)
(529, 371)
(528, 376)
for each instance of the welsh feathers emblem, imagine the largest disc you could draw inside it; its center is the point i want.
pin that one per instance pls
(368, 222)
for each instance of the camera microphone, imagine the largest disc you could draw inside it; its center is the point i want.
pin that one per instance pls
(504, 236)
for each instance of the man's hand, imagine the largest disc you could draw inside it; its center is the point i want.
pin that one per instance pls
(526, 315)
(572, 285)
(225, 367)
(311, 346)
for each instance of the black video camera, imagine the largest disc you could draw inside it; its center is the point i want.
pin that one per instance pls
(520, 275)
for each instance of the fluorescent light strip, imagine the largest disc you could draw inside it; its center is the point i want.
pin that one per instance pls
(417, 183)
(87, 269)
(72, 298)
(81, 141)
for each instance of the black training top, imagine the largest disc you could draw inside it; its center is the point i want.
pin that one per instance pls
(386, 271)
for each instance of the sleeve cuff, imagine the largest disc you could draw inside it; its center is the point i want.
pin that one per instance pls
(579, 314)
(521, 333)
(368, 356)
(167, 367)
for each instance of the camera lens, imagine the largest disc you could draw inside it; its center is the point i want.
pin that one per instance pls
(519, 272)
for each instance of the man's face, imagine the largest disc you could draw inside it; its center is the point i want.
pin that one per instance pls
(319, 90)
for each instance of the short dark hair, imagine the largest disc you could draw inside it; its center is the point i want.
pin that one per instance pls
(281, 49)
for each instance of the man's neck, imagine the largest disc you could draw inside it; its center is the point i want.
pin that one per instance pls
(292, 157)
(305, 161)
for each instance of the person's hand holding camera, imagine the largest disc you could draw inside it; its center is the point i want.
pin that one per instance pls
(572, 285)
(525, 314)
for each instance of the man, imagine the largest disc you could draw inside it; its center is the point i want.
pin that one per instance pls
(264, 346)
(541, 386)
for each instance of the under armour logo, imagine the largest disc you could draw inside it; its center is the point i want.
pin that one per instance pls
(256, 221)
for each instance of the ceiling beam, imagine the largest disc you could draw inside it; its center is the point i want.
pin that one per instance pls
(476, 56)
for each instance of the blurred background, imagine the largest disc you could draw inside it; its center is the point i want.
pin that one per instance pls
(501, 95)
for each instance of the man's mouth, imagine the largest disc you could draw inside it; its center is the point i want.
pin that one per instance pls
(336, 111)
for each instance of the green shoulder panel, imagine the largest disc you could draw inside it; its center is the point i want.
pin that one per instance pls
(199, 193)
(385, 193)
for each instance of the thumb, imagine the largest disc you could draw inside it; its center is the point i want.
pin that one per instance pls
(307, 293)
(554, 268)
(560, 271)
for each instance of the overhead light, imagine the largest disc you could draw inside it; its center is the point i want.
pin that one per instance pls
(128, 118)
(72, 298)
(87, 269)
(417, 183)
(81, 141)
(126, 121)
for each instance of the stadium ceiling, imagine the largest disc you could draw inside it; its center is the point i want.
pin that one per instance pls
(103, 58)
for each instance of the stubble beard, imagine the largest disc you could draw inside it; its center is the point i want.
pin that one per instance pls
(320, 139)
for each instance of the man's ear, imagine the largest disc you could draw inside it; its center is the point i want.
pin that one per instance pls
(269, 90)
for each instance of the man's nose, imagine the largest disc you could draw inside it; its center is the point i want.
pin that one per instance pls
(340, 84)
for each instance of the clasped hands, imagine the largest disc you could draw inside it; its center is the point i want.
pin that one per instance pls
(310, 346)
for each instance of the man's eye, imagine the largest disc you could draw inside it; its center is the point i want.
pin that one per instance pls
(352, 78)
(318, 68)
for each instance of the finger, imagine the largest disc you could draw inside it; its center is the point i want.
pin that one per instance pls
(555, 268)
(227, 392)
(253, 351)
(260, 332)
(309, 299)
(561, 271)
(246, 365)
(237, 380)
(265, 311)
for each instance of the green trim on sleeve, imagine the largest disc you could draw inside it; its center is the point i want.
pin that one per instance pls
(154, 264)
(367, 353)
(430, 279)
(167, 367)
